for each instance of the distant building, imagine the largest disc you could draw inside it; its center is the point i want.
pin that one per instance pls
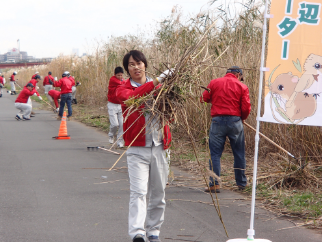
(13, 55)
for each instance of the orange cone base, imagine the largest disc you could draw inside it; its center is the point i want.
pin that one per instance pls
(62, 137)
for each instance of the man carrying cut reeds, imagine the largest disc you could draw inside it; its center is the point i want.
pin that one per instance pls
(146, 158)
(230, 107)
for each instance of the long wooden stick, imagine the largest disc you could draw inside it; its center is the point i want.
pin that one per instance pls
(217, 207)
(50, 105)
(269, 140)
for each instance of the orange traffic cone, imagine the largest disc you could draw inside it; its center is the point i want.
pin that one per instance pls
(62, 134)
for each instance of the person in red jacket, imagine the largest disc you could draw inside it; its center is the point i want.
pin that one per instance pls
(1, 84)
(74, 89)
(34, 83)
(65, 85)
(21, 102)
(34, 75)
(114, 108)
(54, 95)
(48, 83)
(147, 159)
(230, 107)
(12, 83)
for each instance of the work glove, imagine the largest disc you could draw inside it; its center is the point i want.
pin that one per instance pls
(165, 74)
(37, 87)
(40, 98)
(57, 109)
(35, 94)
(55, 78)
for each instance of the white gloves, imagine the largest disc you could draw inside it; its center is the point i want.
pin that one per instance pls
(55, 78)
(37, 87)
(57, 109)
(35, 94)
(164, 75)
(40, 98)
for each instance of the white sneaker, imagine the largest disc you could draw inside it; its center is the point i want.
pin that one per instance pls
(121, 145)
(111, 140)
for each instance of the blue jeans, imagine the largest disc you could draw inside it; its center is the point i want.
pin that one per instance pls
(65, 98)
(232, 127)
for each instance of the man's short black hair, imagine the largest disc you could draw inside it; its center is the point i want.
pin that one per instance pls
(30, 85)
(118, 70)
(37, 77)
(137, 56)
(49, 73)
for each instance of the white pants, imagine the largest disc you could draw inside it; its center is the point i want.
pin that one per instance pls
(48, 88)
(29, 102)
(73, 92)
(13, 87)
(116, 121)
(25, 109)
(148, 167)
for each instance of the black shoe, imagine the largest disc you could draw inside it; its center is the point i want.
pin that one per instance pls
(139, 238)
(25, 119)
(75, 101)
(17, 117)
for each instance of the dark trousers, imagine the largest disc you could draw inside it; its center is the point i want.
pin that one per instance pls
(221, 127)
(65, 98)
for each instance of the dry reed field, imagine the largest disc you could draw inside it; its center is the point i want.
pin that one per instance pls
(225, 42)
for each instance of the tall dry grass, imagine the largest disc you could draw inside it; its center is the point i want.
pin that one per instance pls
(232, 42)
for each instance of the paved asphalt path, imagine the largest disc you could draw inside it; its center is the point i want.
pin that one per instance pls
(47, 195)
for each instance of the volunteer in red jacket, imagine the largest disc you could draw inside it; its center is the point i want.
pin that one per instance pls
(230, 107)
(65, 85)
(74, 89)
(55, 95)
(114, 108)
(34, 75)
(34, 83)
(1, 85)
(12, 83)
(48, 83)
(22, 102)
(146, 158)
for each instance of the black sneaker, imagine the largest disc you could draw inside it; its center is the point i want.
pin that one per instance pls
(25, 119)
(17, 117)
(139, 238)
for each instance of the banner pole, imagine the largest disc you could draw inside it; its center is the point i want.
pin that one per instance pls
(251, 231)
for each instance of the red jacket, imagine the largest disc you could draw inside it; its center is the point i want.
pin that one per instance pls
(55, 95)
(72, 79)
(24, 95)
(228, 96)
(33, 76)
(65, 85)
(12, 78)
(124, 92)
(1, 80)
(34, 83)
(46, 80)
(111, 94)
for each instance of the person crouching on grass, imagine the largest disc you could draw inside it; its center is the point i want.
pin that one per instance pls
(21, 102)
(114, 108)
(146, 158)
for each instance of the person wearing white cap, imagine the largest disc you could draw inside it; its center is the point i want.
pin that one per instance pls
(36, 73)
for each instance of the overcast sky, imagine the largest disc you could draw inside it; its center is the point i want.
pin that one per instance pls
(49, 28)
